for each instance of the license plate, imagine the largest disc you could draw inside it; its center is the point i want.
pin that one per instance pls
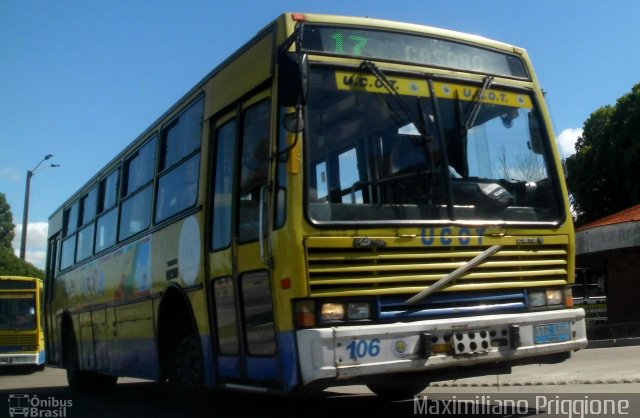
(552, 333)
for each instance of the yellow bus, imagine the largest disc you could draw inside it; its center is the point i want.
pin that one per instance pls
(21, 322)
(343, 200)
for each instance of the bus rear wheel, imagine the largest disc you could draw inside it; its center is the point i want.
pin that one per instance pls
(389, 392)
(79, 379)
(187, 370)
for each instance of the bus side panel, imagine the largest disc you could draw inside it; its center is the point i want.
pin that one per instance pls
(136, 347)
(101, 339)
(85, 341)
(289, 360)
(118, 339)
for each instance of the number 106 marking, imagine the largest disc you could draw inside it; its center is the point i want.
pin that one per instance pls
(362, 348)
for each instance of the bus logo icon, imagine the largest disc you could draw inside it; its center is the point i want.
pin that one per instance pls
(19, 405)
(23, 405)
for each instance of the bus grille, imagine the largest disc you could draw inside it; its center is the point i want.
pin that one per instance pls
(342, 270)
(15, 342)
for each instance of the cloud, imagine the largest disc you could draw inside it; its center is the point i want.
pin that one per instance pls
(10, 174)
(567, 141)
(36, 249)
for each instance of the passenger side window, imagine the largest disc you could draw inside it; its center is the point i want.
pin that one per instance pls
(137, 188)
(107, 223)
(71, 218)
(68, 252)
(255, 168)
(180, 163)
(225, 144)
(88, 205)
(69, 243)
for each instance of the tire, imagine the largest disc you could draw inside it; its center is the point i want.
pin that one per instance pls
(79, 379)
(397, 392)
(186, 372)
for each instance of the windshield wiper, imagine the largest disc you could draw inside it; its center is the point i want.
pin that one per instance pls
(476, 103)
(418, 122)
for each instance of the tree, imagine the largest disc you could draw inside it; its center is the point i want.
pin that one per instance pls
(521, 166)
(6, 223)
(11, 265)
(604, 173)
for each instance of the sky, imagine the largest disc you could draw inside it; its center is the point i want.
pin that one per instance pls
(81, 79)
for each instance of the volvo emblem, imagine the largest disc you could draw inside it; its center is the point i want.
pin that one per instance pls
(368, 243)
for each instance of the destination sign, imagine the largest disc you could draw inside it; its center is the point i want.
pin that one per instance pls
(414, 49)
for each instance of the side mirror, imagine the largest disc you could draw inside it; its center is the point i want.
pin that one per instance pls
(293, 122)
(293, 79)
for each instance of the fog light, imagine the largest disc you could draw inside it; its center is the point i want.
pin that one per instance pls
(358, 310)
(554, 297)
(332, 312)
(537, 299)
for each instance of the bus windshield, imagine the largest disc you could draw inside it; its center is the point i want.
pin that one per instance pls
(425, 151)
(17, 312)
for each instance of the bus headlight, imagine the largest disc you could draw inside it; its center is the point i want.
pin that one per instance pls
(537, 298)
(547, 297)
(332, 312)
(358, 310)
(554, 297)
(310, 312)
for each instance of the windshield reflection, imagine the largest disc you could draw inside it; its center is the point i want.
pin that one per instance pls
(17, 312)
(368, 161)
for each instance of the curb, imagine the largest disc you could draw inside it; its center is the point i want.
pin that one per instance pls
(537, 383)
(614, 342)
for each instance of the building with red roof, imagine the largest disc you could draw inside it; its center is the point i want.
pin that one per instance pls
(608, 262)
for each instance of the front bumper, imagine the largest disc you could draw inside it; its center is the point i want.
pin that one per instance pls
(349, 352)
(21, 359)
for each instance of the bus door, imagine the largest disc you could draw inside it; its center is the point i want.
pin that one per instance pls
(240, 286)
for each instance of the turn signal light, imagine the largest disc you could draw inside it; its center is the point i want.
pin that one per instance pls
(305, 313)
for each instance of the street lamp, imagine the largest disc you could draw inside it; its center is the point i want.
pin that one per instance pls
(25, 213)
